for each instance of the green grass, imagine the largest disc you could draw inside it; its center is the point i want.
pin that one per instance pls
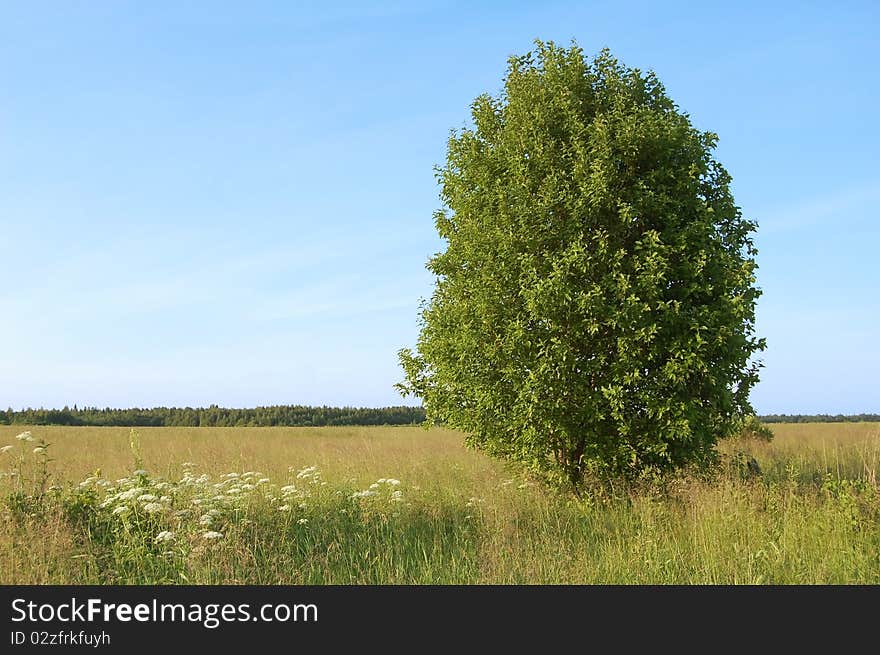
(811, 517)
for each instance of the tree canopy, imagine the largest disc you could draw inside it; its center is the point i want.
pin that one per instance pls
(593, 310)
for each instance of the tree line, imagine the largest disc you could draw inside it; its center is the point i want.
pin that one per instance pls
(214, 416)
(285, 415)
(819, 418)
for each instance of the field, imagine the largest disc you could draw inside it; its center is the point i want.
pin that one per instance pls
(404, 505)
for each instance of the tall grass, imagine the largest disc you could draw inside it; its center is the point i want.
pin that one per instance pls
(326, 513)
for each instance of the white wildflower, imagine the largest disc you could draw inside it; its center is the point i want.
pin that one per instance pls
(153, 508)
(374, 486)
(212, 535)
(164, 537)
(25, 436)
(302, 521)
(120, 509)
(140, 473)
(307, 472)
(284, 508)
(392, 482)
(146, 498)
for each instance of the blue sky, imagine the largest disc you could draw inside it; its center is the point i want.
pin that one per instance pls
(230, 203)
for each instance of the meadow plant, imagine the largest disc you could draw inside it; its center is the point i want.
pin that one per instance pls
(809, 513)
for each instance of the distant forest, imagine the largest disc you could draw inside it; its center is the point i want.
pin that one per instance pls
(285, 415)
(819, 418)
(214, 416)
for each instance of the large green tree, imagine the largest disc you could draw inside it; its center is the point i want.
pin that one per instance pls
(593, 313)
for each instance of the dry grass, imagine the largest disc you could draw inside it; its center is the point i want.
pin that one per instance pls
(812, 516)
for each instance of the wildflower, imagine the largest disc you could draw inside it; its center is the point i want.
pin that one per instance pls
(140, 473)
(289, 489)
(129, 494)
(205, 520)
(284, 508)
(120, 509)
(364, 494)
(392, 482)
(153, 508)
(262, 480)
(374, 486)
(307, 472)
(25, 436)
(146, 498)
(164, 536)
(212, 535)
(6, 449)
(397, 496)
(302, 521)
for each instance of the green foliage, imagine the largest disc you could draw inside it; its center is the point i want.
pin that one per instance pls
(214, 416)
(593, 313)
(820, 418)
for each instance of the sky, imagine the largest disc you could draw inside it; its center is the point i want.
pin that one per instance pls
(231, 203)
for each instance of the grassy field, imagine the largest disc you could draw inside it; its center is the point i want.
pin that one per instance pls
(407, 506)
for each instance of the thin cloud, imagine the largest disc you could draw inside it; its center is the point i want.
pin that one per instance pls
(840, 206)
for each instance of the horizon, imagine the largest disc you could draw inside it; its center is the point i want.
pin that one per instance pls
(229, 206)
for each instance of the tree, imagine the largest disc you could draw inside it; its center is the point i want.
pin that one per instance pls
(593, 311)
